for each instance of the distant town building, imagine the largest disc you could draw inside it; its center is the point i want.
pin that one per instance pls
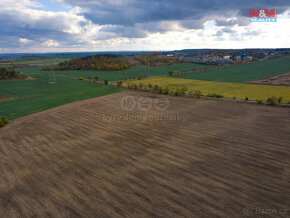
(249, 58)
(170, 55)
(227, 58)
(243, 57)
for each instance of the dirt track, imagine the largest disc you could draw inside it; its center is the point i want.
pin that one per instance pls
(71, 161)
(278, 80)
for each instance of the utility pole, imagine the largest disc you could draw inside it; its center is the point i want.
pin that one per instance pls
(222, 87)
(215, 86)
(53, 75)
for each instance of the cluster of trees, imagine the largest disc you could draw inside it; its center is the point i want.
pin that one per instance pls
(95, 62)
(274, 100)
(155, 59)
(6, 74)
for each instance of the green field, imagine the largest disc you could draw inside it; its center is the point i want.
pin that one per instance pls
(118, 75)
(228, 90)
(243, 72)
(20, 98)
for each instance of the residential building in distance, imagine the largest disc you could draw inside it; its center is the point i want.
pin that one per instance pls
(227, 57)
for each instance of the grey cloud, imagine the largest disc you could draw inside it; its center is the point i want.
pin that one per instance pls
(224, 30)
(130, 12)
(129, 18)
(21, 24)
(240, 21)
(129, 32)
(224, 22)
(251, 33)
(134, 18)
(139, 30)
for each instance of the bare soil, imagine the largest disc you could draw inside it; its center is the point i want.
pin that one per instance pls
(73, 161)
(30, 78)
(278, 80)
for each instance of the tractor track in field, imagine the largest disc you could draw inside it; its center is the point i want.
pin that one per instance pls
(77, 160)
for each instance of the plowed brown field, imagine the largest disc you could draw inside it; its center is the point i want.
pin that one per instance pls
(73, 161)
(277, 80)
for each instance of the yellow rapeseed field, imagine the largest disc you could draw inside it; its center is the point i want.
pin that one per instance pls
(228, 90)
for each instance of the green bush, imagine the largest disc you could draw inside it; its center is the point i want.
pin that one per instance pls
(215, 95)
(259, 101)
(155, 87)
(166, 90)
(197, 93)
(106, 81)
(80, 78)
(119, 83)
(160, 90)
(96, 77)
(150, 86)
(280, 100)
(272, 101)
(176, 92)
(182, 92)
(3, 121)
(170, 72)
(246, 99)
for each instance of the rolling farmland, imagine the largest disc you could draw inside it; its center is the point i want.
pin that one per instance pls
(41, 61)
(144, 109)
(21, 98)
(228, 90)
(71, 162)
(33, 63)
(243, 72)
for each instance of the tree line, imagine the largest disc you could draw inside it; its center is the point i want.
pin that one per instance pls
(8, 74)
(94, 62)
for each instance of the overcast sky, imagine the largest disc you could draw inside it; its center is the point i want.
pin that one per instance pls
(114, 25)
